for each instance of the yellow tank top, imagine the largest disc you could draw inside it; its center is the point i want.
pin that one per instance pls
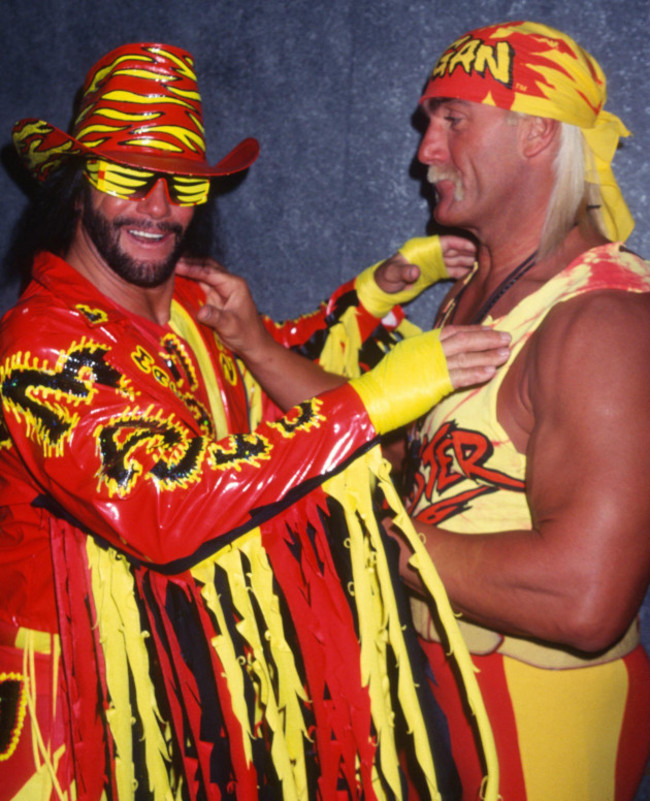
(470, 477)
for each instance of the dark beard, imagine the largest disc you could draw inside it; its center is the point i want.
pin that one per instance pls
(105, 237)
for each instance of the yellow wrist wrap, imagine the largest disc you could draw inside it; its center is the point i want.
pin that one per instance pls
(426, 252)
(423, 251)
(406, 383)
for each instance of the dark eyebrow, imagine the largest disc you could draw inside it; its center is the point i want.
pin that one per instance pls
(434, 103)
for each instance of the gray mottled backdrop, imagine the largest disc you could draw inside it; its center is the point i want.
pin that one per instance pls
(329, 88)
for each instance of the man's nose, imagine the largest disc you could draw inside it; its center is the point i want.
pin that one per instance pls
(156, 203)
(433, 147)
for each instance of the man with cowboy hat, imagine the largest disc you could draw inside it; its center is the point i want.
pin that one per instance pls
(196, 600)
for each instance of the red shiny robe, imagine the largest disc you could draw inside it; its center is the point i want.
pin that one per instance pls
(227, 617)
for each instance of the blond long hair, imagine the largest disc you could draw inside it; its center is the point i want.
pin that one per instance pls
(573, 198)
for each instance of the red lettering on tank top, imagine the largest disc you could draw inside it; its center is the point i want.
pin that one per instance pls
(454, 456)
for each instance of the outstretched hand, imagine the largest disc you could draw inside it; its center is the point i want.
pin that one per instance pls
(473, 353)
(396, 273)
(229, 308)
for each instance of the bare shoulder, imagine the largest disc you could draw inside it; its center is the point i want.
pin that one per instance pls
(615, 311)
(607, 331)
(582, 356)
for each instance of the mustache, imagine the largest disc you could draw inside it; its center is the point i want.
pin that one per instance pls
(163, 227)
(436, 174)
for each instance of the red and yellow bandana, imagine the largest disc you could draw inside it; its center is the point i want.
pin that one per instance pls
(534, 69)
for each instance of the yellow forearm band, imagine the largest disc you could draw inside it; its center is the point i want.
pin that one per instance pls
(423, 251)
(406, 383)
(426, 252)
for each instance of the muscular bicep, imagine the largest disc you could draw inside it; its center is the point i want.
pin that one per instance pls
(589, 454)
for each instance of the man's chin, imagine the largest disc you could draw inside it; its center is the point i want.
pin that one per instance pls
(150, 274)
(143, 268)
(445, 213)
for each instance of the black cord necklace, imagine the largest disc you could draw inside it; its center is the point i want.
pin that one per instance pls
(508, 282)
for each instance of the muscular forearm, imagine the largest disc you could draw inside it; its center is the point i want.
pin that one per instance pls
(469, 355)
(516, 583)
(480, 579)
(288, 378)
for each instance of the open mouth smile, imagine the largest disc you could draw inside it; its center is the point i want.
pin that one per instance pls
(151, 236)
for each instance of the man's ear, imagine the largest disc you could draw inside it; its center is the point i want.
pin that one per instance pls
(537, 135)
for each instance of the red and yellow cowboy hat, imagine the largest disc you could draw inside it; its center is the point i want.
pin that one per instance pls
(140, 106)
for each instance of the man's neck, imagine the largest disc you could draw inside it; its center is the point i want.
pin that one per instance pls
(499, 260)
(516, 267)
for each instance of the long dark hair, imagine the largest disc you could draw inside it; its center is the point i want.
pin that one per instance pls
(50, 219)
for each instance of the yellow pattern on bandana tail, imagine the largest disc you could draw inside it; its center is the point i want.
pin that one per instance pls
(535, 69)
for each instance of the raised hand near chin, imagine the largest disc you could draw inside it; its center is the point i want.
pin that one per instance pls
(402, 269)
(229, 308)
(459, 255)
